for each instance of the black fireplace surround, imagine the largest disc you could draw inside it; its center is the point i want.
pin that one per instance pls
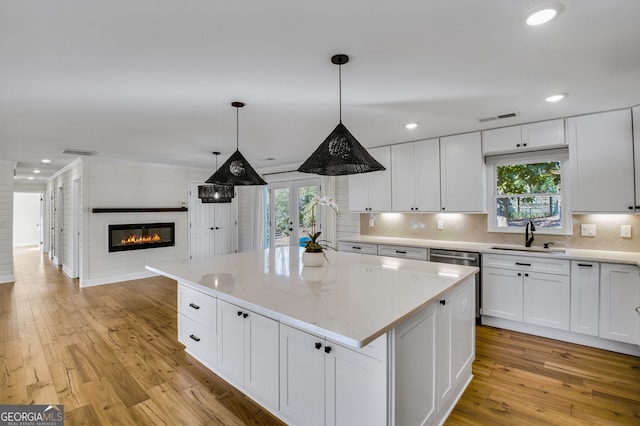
(137, 236)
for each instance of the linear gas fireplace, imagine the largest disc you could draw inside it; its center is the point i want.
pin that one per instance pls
(137, 236)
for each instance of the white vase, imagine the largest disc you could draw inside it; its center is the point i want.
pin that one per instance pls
(312, 259)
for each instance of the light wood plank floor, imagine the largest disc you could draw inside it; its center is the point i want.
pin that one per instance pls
(110, 355)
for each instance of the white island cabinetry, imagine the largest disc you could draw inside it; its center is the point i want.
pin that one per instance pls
(197, 324)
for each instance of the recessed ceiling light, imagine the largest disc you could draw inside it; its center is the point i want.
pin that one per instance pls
(36, 171)
(46, 160)
(30, 178)
(543, 14)
(556, 97)
(411, 126)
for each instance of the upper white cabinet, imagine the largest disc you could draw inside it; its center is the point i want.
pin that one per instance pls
(462, 174)
(601, 163)
(619, 299)
(372, 191)
(533, 136)
(415, 176)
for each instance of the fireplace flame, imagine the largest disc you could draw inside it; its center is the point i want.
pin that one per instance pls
(133, 239)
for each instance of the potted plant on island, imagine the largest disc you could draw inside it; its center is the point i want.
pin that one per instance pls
(313, 254)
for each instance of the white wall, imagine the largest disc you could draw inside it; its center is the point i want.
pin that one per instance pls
(6, 222)
(26, 219)
(348, 223)
(123, 184)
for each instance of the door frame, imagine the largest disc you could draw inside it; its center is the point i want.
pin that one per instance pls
(294, 186)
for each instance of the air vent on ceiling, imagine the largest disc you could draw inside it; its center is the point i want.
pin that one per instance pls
(78, 152)
(499, 117)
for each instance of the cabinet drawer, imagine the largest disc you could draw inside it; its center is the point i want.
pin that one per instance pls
(199, 339)
(364, 248)
(404, 252)
(528, 264)
(196, 305)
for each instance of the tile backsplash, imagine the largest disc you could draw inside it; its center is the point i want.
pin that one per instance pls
(473, 228)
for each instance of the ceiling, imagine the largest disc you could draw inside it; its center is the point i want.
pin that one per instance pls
(152, 80)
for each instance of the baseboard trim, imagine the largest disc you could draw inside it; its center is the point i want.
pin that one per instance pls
(116, 279)
(7, 279)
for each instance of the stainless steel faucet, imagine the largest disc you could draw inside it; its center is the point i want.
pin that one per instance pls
(528, 241)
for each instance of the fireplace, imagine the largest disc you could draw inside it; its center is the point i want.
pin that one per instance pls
(137, 236)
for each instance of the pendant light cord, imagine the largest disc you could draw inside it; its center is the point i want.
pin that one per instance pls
(340, 89)
(237, 129)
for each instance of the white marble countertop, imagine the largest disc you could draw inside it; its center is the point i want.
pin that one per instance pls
(632, 258)
(352, 300)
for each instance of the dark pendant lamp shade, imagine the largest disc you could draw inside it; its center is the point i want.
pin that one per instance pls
(340, 153)
(215, 193)
(236, 170)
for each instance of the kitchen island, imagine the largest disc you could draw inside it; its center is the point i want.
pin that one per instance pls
(360, 340)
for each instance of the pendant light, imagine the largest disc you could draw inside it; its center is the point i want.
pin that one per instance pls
(340, 153)
(236, 170)
(216, 193)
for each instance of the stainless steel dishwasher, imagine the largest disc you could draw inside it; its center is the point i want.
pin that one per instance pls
(460, 258)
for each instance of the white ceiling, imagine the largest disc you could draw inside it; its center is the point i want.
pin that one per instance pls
(152, 80)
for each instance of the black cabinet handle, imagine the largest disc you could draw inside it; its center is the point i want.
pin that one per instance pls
(631, 207)
(211, 228)
(194, 306)
(356, 248)
(327, 349)
(586, 265)
(196, 338)
(245, 315)
(443, 302)
(637, 207)
(318, 345)
(443, 208)
(239, 313)
(217, 227)
(401, 252)
(524, 144)
(519, 274)
(526, 275)
(517, 145)
(523, 264)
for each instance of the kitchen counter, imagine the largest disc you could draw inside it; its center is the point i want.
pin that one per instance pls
(632, 258)
(352, 300)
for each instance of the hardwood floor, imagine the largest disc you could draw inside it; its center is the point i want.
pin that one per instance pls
(110, 355)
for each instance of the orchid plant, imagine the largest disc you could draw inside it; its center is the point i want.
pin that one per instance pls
(313, 245)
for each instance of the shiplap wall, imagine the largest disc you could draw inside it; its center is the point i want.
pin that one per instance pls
(347, 223)
(6, 222)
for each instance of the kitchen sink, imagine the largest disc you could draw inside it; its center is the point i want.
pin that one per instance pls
(556, 251)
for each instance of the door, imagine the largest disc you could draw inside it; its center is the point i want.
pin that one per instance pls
(75, 237)
(290, 212)
(211, 226)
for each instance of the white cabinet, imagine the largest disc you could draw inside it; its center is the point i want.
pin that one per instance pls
(462, 174)
(529, 289)
(372, 191)
(619, 298)
(327, 384)
(248, 351)
(363, 248)
(415, 176)
(417, 253)
(601, 163)
(585, 297)
(636, 152)
(197, 324)
(528, 137)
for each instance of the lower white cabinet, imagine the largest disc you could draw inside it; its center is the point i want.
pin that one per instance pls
(585, 297)
(248, 351)
(619, 298)
(418, 253)
(197, 324)
(547, 300)
(363, 248)
(322, 383)
(502, 292)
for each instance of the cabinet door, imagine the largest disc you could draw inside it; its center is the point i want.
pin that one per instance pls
(619, 297)
(356, 388)
(585, 297)
(302, 377)
(462, 174)
(427, 175)
(359, 192)
(415, 369)
(502, 293)
(545, 134)
(444, 373)
(403, 178)
(498, 141)
(231, 341)
(380, 182)
(601, 166)
(547, 300)
(463, 329)
(636, 152)
(262, 360)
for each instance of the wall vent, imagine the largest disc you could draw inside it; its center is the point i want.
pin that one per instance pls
(78, 152)
(498, 117)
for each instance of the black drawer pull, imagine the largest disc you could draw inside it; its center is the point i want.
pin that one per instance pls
(523, 264)
(318, 345)
(401, 252)
(196, 338)
(245, 315)
(327, 349)
(356, 248)
(239, 313)
(194, 306)
(587, 265)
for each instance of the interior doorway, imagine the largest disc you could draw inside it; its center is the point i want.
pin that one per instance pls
(27, 219)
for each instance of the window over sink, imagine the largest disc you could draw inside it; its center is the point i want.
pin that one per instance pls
(528, 187)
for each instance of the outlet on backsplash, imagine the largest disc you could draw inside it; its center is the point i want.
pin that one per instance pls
(625, 231)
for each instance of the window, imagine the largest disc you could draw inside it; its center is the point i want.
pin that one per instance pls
(528, 187)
